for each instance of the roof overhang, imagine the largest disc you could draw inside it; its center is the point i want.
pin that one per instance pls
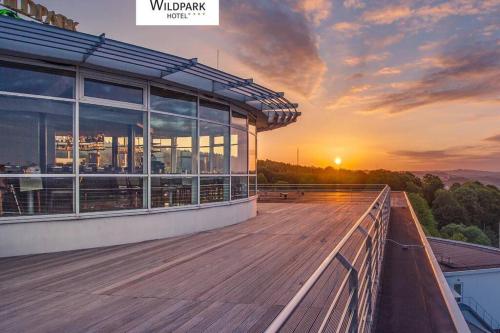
(43, 42)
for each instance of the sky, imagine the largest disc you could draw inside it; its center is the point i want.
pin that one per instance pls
(400, 85)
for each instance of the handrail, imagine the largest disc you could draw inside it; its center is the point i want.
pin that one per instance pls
(449, 299)
(486, 316)
(378, 204)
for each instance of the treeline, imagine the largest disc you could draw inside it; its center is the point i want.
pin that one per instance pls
(467, 212)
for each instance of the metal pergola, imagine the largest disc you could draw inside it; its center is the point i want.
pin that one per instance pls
(45, 42)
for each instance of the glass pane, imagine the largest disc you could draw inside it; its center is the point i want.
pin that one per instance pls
(252, 153)
(111, 139)
(214, 189)
(28, 79)
(114, 91)
(239, 151)
(252, 125)
(214, 111)
(252, 186)
(35, 196)
(238, 119)
(99, 194)
(36, 135)
(173, 102)
(173, 141)
(171, 192)
(214, 148)
(239, 187)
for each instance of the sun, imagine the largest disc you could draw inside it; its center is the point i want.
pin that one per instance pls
(338, 160)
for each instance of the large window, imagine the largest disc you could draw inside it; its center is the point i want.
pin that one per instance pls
(252, 186)
(114, 91)
(36, 135)
(239, 187)
(239, 151)
(171, 192)
(26, 79)
(117, 155)
(111, 140)
(25, 196)
(238, 119)
(214, 111)
(99, 194)
(173, 142)
(214, 148)
(214, 189)
(252, 153)
(173, 102)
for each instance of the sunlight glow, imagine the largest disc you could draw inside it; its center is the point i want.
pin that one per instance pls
(338, 160)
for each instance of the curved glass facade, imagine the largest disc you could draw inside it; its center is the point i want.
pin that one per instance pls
(83, 142)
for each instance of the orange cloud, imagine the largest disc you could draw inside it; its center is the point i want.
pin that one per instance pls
(316, 10)
(389, 71)
(387, 15)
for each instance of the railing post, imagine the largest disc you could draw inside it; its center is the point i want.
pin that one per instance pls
(353, 290)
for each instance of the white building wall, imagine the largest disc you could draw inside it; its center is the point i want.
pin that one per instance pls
(53, 236)
(483, 285)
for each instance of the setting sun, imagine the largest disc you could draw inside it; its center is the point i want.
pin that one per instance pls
(338, 160)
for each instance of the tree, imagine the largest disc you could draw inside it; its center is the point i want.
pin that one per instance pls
(424, 214)
(430, 184)
(471, 234)
(261, 178)
(447, 209)
(468, 198)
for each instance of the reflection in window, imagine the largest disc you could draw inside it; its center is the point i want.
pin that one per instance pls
(252, 125)
(252, 153)
(173, 139)
(252, 186)
(171, 192)
(214, 111)
(214, 189)
(173, 102)
(99, 194)
(239, 151)
(114, 91)
(111, 140)
(214, 148)
(27, 79)
(239, 187)
(35, 196)
(238, 119)
(36, 135)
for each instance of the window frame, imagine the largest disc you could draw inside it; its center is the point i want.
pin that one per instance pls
(146, 176)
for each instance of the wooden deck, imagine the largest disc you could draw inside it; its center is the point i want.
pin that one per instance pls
(236, 278)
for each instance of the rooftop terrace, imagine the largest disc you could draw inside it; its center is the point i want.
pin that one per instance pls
(235, 278)
(288, 269)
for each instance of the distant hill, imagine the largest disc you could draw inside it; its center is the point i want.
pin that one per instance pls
(461, 176)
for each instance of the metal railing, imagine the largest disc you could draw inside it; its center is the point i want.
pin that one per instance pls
(480, 311)
(351, 304)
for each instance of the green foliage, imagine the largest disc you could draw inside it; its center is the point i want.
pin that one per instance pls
(430, 184)
(293, 174)
(424, 214)
(261, 178)
(447, 209)
(471, 234)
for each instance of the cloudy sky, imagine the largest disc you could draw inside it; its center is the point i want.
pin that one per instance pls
(405, 85)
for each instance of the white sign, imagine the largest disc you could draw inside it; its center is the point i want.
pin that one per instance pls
(177, 12)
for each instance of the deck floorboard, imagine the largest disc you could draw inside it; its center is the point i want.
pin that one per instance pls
(233, 279)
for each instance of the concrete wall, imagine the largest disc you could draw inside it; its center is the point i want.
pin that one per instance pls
(483, 285)
(42, 237)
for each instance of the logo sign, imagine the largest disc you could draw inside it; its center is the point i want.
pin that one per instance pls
(177, 12)
(40, 13)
